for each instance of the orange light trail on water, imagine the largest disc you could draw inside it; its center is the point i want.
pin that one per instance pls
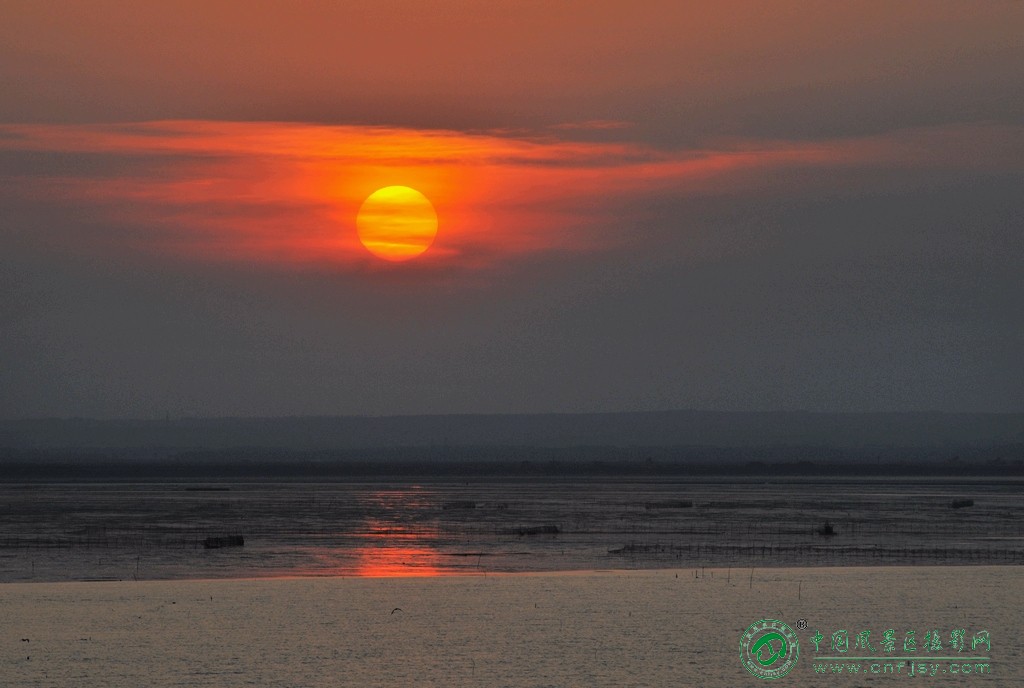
(397, 562)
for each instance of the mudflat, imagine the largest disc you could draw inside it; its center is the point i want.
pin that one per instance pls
(670, 627)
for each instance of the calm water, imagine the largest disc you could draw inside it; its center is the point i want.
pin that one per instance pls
(156, 531)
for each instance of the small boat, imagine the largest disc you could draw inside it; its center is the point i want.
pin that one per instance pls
(669, 504)
(226, 541)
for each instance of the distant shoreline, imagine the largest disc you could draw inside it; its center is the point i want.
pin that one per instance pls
(863, 434)
(668, 443)
(212, 467)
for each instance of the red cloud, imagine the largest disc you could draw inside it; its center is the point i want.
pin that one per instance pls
(285, 193)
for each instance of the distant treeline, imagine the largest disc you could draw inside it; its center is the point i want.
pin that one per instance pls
(466, 462)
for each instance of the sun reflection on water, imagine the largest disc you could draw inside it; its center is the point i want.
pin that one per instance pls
(397, 562)
(395, 537)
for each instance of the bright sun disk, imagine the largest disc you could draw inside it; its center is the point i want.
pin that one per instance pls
(396, 223)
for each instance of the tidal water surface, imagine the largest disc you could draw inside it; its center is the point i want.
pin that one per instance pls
(118, 531)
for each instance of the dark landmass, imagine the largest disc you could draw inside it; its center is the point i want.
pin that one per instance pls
(664, 443)
(203, 467)
(655, 429)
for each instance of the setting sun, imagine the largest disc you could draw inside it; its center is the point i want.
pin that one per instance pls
(396, 223)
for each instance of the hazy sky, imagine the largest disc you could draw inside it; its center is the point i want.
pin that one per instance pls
(641, 205)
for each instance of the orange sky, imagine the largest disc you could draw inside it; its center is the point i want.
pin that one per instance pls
(529, 125)
(679, 70)
(641, 205)
(285, 193)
